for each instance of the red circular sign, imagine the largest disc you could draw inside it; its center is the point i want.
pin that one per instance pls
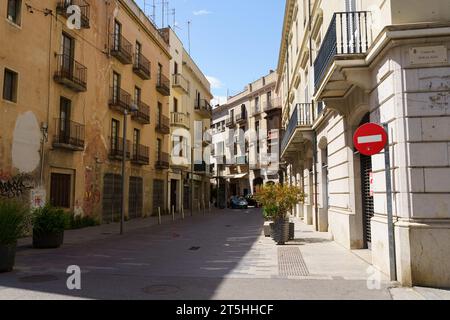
(370, 139)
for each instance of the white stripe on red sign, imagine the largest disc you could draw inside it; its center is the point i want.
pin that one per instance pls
(370, 139)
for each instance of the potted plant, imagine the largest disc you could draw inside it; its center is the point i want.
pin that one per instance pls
(12, 224)
(268, 213)
(48, 227)
(278, 200)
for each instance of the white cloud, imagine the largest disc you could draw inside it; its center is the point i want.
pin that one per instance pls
(202, 12)
(219, 100)
(215, 82)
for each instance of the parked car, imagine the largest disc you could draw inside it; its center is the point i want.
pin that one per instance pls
(238, 203)
(251, 201)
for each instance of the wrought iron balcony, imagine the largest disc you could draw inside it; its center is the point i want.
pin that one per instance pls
(272, 105)
(162, 161)
(241, 118)
(204, 108)
(121, 49)
(141, 155)
(230, 123)
(163, 85)
(179, 119)
(116, 150)
(348, 34)
(64, 8)
(202, 167)
(180, 82)
(142, 115)
(141, 66)
(301, 120)
(71, 73)
(119, 99)
(163, 125)
(69, 135)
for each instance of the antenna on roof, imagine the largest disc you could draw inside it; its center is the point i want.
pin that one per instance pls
(189, 36)
(174, 17)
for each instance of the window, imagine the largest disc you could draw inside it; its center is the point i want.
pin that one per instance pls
(116, 87)
(117, 35)
(136, 141)
(159, 113)
(137, 95)
(64, 120)
(175, 68)
(138, 49)
(68, 52)
(175, 105)
(60, 190)
(10, 86)
(257, 104)
(158, 149)
(257, 137)
(115, 126)
(14, 8)
(159, 73)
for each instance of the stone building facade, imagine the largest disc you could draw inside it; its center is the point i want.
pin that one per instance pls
(346, 63)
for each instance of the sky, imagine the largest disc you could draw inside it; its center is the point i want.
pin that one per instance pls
(234, 42)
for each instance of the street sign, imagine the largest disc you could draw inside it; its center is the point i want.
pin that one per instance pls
(370, 139)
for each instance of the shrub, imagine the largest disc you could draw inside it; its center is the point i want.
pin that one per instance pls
(78, 222)
(13, 218)
(278, 200)
(49, 220)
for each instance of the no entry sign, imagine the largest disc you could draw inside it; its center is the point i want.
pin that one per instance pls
(370, 139)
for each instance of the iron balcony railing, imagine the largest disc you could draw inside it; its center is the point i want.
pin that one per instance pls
(163, 125)
(162, 161)
(179, 119)
(203, 106)
(202, 167)
(163, 85)
(142, 114)
(71, 73)
(272, 104)
(69, 134)
(241, 117)
(179, 81)
(63, 8)
(141, 154)
(142, 66)
(348, 34)
(121, 48)
(301, 117)
(116, 150)
(230, 122)
(119, 99)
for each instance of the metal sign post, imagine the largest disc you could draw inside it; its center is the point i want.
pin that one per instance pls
(390, 217)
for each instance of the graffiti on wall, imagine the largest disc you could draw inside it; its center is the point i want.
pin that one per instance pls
(92, 196)
(15, 186)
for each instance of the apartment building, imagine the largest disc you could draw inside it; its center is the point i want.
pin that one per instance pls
(246, 138)
(346, 63)
(190, 121)
(70, 88)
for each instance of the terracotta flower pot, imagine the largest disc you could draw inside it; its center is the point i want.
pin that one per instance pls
(7, 257)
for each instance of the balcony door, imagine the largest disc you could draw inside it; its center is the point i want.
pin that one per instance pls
(117, 35)
(115, 127)
(136, 142)
(64, 120)
(67, 51)
(116, 88)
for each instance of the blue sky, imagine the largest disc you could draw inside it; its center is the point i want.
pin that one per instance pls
(234, 42)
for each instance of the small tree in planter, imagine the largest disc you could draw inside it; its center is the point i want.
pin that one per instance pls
(277, 201)
(48, 227)
(13, 218)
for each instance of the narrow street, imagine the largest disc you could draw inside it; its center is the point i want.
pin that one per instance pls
(219, 255)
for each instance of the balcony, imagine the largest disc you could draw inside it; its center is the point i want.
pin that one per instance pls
(345, 45)
(121, 49)
(142, 115)
(180, 82)
(141, 155)
(163, 125)
(162, 161)
(207, 139)
(298, 129)
(241, 118)
(230, 123)
(203, 107)
(141, 66)
(163, 85)
(202, 168)
(63, 8)
(68, 135)
(272, 105)
(116, 150)
(71, 73)
(242, 160)
(178, 119)
(119, 100)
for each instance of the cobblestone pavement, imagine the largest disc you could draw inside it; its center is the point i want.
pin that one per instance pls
(219, 255)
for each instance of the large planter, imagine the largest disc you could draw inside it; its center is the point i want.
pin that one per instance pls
(7, 257)
(267, 229)
(291, 231)
(48, 240)
(281, 231)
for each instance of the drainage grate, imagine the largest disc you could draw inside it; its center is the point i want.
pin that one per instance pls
(38, 278)
(194, 248)
(291, 263)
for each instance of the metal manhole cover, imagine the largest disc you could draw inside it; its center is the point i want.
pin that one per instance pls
(161, 290)
(291, 263)
(38, 278)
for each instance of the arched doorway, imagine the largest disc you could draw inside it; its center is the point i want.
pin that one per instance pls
(367, 197)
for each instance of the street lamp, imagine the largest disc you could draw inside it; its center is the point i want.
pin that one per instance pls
(134, 108)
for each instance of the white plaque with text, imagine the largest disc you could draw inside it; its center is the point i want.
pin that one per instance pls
(428, 55)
